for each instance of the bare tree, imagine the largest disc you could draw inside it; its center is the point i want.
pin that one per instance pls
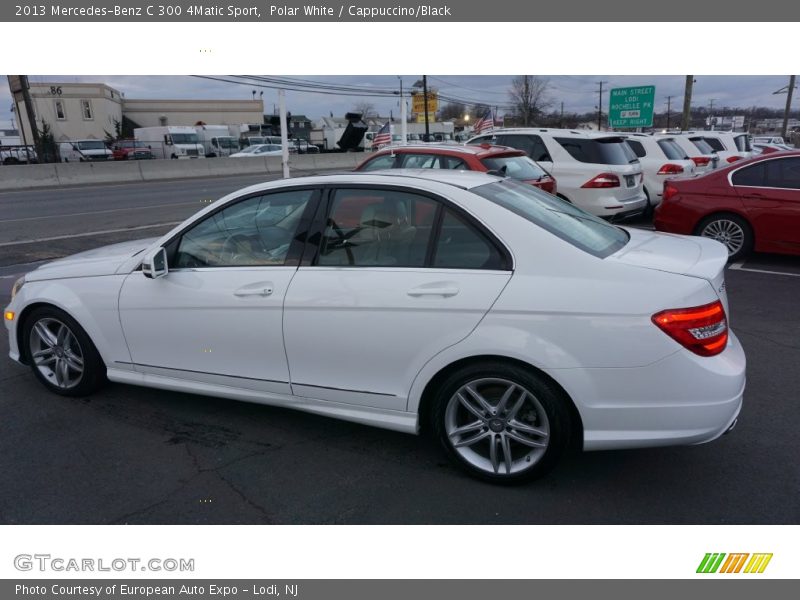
(452, 110)
(365, 107)
(529, 97)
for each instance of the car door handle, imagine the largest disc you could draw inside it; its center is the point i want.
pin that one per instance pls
(754, 195)
(434, 291)
(257, 291)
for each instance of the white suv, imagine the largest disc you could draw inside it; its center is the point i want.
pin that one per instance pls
(597, 172)
(729, 146)
(703, 155)
(660, 158)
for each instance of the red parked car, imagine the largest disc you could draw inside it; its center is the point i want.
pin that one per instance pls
(131, 150)
(751, 205)
(497, 159)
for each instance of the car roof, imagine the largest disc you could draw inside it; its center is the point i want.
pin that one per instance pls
(556, 131)
(422, 178)
(480, 151)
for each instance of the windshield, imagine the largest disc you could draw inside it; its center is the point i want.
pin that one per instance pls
(228, 142)
(564, 220)
(672, 150)
(703, 146)
(98, 145)
(184, 138)
(516, 167)
(601, 151)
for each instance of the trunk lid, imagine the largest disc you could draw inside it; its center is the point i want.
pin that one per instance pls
(683, 255)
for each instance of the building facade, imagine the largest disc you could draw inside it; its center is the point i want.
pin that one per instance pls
(73, 111)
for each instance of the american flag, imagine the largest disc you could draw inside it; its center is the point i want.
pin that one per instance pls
(383, 137)
(485, 123)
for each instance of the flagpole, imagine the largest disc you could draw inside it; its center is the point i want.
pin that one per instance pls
(403, 119)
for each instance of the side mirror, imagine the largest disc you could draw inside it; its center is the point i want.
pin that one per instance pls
(154, 264)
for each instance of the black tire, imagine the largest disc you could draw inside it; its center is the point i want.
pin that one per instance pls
(649, 209)
(93, 375)
(543, 408)
(715, 226)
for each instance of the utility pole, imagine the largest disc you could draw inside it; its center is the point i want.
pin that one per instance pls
(425, 99)
(687, 103)
(600, 106)
(669, 109)
(789, 93)
(284, 134)
(403, 118)
(561, 118)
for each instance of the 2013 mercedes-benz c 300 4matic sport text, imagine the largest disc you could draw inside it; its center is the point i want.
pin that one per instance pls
(503, 320)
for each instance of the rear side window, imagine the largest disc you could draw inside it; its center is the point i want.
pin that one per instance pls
(601, 151)
(516, 167)
(461, 246)
(672, 150)
(751, 176)
(532, 145)
(637, 148)
(565, 221)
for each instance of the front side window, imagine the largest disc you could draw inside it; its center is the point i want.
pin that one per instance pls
(562, 219)
(377, 228)
(253, 232)
(431, 161)
(783, 173)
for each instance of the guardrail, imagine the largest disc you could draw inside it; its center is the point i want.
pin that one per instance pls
(23, 177)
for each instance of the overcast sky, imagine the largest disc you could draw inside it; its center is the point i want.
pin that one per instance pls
(579, 93)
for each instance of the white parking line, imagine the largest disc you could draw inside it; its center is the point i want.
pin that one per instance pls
(740, 267)
(90, 233)
(98, 212)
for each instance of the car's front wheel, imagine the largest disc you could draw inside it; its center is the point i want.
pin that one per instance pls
(501, 422)
(61, 354)
(731, 230)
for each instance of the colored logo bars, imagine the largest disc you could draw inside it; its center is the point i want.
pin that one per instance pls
(713, 563)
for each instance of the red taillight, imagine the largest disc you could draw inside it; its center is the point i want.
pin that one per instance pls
(702, 329)
(669, 192)
(733, 159)
(604, 180)
(670, 169)
(701, 161)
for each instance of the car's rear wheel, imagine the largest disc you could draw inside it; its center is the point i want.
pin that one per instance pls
(61, 354)
(500, 422)
(731, 230)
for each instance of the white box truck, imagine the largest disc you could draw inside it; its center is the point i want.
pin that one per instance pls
(217, 140)
(171, 141)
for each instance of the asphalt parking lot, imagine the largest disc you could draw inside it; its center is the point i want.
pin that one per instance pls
(133, 455)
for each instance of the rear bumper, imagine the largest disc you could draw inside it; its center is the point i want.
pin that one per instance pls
(683, 399)
(610, 206)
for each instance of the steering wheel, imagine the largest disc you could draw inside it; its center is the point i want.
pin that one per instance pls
(341, 241)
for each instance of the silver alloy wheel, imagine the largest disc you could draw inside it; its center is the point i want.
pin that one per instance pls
(56, 353)
(497, 426)
(726, 231)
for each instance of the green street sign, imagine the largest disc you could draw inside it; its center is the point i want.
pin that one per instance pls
(631, 107)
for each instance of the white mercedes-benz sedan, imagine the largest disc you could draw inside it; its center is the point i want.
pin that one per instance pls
(505, 321)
